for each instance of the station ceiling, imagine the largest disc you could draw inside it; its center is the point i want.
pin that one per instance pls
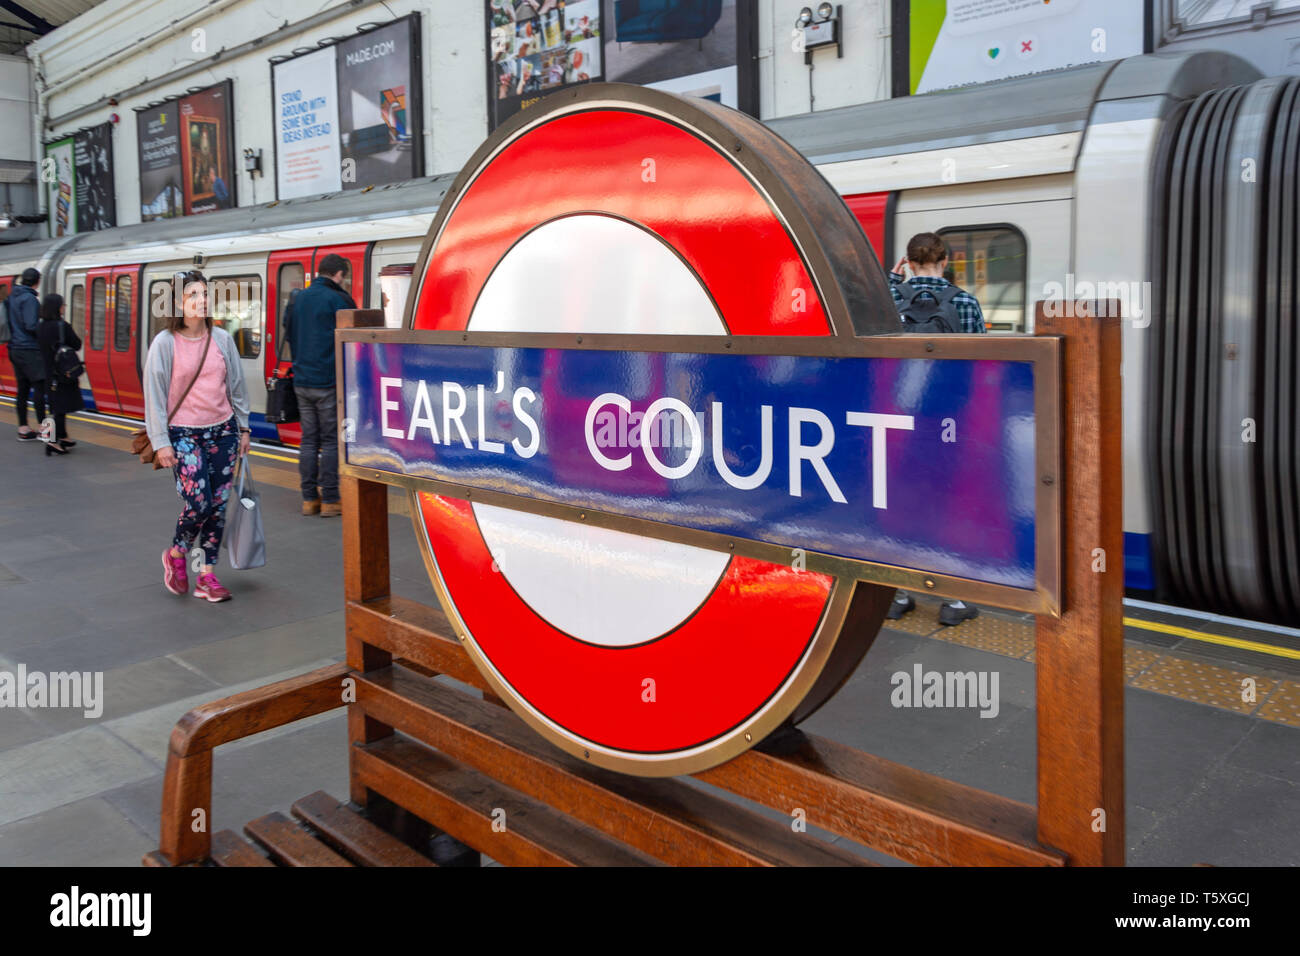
(22, 21)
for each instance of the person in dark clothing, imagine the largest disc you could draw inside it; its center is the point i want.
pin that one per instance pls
(24, 352)
(62, 392)
(311, 336)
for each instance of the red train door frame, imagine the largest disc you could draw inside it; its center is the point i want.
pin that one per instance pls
(875, 213)
(357, 254)
(275, 262)
(97, 358)
(124, 331)
(8, 384)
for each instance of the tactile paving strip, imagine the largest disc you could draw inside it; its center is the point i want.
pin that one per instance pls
(1185, 678)
(994, 634)
(1283, 705)
(1204, 683)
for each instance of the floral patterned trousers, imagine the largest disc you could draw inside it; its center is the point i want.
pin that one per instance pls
(204, 470)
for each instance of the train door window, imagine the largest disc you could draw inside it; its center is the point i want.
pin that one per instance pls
(122, 315)
(4, 291)
(290, 278)
(236, 306)
(77, 310)
(161, 295)
(98, 298)
(394, 286)
(990, 263)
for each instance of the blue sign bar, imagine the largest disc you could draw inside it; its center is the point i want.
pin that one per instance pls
(927, 464)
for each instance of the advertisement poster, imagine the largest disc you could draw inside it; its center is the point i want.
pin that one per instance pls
(158, 132)
(92, 159)
(207, 149)
(692, 47)
(379, 105)
(60, 180)
(537, 47)
(960, 42)
(307, 154)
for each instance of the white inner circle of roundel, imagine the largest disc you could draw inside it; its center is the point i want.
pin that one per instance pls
(591, 273)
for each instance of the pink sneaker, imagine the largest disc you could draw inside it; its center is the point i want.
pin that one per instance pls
(210, 588)
(174, 577)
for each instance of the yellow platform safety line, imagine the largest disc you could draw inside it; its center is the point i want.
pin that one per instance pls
(131, 428)
(1243, 645)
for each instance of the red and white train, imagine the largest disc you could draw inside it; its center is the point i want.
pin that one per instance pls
(1167, 181)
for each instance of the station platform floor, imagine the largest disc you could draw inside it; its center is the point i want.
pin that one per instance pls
(1210, 778)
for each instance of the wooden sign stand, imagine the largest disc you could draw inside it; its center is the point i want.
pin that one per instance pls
(470, 767)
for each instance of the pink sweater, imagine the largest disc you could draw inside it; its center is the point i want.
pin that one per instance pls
(207, 402)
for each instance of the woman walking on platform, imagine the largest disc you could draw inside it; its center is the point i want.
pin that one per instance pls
(196, 414)
(62, 373)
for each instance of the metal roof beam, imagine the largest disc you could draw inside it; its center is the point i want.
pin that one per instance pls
(40, 25)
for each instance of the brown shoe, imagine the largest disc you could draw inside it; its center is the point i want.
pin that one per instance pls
(331, 509)
(311, 507)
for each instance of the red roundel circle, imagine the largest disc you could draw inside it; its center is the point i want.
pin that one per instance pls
(614, 212)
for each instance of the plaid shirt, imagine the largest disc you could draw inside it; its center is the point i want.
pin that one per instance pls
(968, 308)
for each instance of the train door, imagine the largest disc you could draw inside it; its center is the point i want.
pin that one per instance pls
(392, 266)
(1008, 240)
(286, 271)
(123, 356)
(357, 254)
(8, 384)
(74, 299)
(98, 347)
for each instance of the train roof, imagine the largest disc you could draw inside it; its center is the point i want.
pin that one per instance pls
(1019, 108)
(1061, 102)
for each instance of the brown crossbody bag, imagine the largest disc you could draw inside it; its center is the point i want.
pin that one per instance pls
(140, 444)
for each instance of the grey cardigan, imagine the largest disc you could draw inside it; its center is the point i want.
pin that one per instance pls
(158, 378)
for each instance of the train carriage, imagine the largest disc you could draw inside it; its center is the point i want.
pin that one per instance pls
(1166, 181)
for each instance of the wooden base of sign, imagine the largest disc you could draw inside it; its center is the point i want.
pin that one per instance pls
(475, 770)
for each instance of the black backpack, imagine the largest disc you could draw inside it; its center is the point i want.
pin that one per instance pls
(929, 311)
(66, 363)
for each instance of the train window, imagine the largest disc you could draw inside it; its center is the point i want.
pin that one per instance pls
(98, 298)
(160, 306)
(989, 262)
(236, 306)
(77, 310)
(394, 285)
(290, 278)
(122, 315)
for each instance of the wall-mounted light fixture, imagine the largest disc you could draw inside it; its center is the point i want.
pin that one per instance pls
(821, 29)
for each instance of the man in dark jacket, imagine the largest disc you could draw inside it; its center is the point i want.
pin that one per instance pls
(311, 336)
(24, 310)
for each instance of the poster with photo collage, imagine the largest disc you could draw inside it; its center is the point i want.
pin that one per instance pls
(537, 47)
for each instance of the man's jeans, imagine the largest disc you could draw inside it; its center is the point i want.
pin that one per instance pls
(320, 435)
(29, 369)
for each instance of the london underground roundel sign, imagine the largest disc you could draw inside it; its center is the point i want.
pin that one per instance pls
(626, 215)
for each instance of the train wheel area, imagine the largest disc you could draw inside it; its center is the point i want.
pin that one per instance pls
(1211, 723)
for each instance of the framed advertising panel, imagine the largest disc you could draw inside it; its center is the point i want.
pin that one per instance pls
(207, 149)
(158, 143)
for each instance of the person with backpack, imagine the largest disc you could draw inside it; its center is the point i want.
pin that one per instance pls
(311, 336)
(59, 345)
(23, 311)
(929, 304)
(196, 416)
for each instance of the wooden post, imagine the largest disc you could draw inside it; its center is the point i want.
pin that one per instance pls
(1080, 655)
(365, 567)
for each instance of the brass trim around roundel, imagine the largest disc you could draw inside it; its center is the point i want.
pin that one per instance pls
(856, 300)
